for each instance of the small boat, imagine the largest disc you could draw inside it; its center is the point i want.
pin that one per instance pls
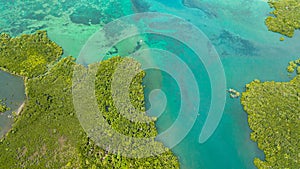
(233, 93)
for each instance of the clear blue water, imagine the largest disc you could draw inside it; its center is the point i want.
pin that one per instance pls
(236, 28)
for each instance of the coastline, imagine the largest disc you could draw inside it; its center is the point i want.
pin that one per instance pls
(267, 101)
(20, 108)
(18, 112)
(56, 86)
(11, 73)
(13, 89)
(11, 116)
(240, 74)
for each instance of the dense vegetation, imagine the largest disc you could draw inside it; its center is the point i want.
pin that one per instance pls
(274, 116)
(28, 55)
(3, 106)
(286, 17)
(48, 134)
(108, 105)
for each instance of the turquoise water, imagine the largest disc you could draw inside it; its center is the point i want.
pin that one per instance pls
(236, 28)
(13, 91)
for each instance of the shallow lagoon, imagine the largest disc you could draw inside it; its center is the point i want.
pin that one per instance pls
(236, 28)
(13, 91)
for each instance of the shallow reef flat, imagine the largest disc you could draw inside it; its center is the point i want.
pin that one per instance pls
(273, 110)
(47, 132)
(17, 18)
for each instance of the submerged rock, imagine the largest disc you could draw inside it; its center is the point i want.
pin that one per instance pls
(86, 15)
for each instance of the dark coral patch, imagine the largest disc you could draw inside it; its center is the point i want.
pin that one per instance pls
(86, 15)
(237, 44)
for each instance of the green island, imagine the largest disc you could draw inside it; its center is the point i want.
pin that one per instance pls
(3, 107)
(286, 17)
(273, 110)
(47, 133)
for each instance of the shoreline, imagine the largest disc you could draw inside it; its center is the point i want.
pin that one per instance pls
(19, 110)
(11, 116)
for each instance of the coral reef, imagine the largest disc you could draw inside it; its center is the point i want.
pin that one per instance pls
(19, 17)
(238, 45)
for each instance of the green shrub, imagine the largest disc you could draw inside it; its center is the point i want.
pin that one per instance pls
(3, 107)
